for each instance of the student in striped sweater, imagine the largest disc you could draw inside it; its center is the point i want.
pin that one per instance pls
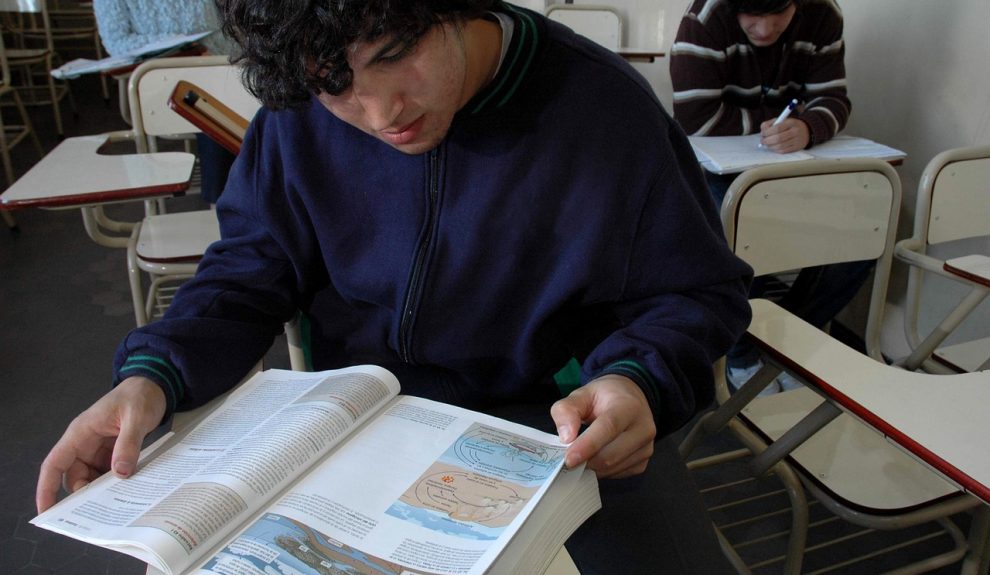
(735, 65)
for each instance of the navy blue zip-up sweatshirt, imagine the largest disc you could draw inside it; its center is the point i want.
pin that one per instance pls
(563, 216)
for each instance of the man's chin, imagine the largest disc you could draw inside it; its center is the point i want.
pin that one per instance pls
(416, 147)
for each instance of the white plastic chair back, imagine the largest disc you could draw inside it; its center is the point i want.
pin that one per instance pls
(782, 217)
(959, 181)
(953, 203)
(795, 221)
(152, 83)
(603, 24)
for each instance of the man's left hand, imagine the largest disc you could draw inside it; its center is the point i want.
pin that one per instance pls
(619, 439)
(788, 136)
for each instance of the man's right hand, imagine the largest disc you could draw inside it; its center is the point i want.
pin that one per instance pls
(106, 436)
(791, 135)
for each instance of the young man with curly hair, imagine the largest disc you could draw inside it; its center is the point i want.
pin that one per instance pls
(494, 208)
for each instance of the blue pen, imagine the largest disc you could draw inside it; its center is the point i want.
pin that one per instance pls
(783, 115)
(787, 112)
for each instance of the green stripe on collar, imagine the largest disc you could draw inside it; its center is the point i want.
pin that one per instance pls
(518, 59)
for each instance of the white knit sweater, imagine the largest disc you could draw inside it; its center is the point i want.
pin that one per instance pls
(128, 24)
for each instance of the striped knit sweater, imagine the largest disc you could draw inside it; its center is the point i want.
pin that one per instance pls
(723, 85)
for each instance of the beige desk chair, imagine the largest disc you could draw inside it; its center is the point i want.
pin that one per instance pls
(782, 217)
(31, 16)
(603, 24)
(12, 135)
(73, 27)
(953, 204)
(168, 247)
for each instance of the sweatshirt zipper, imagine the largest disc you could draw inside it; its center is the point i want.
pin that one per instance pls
(417, 274)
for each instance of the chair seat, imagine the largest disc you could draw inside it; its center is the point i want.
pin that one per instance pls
(14, 55)
(965, 357)
(871, 473)
(974, 267)
(177, 238)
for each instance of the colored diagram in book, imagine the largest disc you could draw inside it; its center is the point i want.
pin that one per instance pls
(479, 484)
(278, 545)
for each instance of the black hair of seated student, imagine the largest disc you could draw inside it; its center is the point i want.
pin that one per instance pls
(760, 7)
(292, 50)
(214, 163)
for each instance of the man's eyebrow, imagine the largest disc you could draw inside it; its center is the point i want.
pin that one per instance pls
(389, 46)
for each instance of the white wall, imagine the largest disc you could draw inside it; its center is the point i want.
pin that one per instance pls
(648, 24)
(919, 80)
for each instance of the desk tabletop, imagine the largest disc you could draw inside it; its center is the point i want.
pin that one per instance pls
(939, 419)
(75, 174)
(633, 54)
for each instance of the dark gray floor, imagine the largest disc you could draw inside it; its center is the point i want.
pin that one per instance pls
(64, 302)
(64, 305)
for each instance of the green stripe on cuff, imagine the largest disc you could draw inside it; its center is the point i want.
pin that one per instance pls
(634, 371)
(168, 378)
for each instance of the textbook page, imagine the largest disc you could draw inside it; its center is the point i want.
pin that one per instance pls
(202, 483)
(731, 154)
(422, 488)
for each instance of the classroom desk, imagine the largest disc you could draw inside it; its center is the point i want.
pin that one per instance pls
(639, 54)
(940, 420)
(77, 175)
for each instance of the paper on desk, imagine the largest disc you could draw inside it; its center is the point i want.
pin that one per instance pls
(80, 66)
(843, 146)
(730, 154)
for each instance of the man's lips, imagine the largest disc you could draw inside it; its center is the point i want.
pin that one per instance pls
(404, 134)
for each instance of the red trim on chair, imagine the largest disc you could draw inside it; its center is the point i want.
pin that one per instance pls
(178, 189)
(965, 274)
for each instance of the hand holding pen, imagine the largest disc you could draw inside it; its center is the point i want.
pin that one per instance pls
(784, 134)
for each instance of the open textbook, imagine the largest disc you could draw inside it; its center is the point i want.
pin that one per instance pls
(334, 472)
(161, 47)
(733, 154)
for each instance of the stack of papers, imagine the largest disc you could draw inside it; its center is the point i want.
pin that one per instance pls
(80, 66)
(733, 154)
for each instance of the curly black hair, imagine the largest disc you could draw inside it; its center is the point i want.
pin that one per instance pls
(294, 48)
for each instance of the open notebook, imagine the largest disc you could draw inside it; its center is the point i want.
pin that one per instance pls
(732, 154)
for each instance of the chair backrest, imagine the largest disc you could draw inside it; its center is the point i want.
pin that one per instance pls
(152, 83)
(33, 7)
(4, 66)
(782, 217)
(27, 6)
(603, 24)
(954, 196)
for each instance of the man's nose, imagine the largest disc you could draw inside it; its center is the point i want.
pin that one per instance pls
(761, 27)
(381, 107)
